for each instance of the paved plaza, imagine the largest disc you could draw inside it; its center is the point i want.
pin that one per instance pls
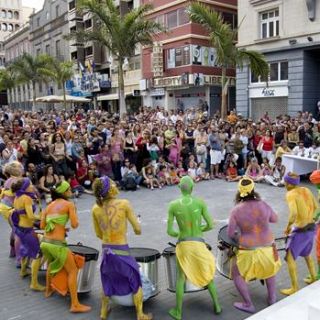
(17, 302)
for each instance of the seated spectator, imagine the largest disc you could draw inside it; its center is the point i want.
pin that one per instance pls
(181, 172)
(164, 176)
(174, 175)
(202, 172)
(314, 150)
(116, 167)
(254, 171)
(82, 174)
(192, 171)
(48, 181)
(76, 188)
(130, 178)
(266, 167)
(293, 137)
(153, 149)
(149, 175)
(232, 172)
(278, 171)
(282, 149)
(32, 174)
(103, 161)
(300, 150)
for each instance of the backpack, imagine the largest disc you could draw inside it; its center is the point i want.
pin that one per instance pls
(130, 184)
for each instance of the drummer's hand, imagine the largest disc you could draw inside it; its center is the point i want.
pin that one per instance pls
(287, 231)
(66, 229)
(137, 231)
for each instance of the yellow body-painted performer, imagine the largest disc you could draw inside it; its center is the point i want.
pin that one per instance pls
(194, 261)
(12, 171)
(300, 229)
(62, 263)
(119, 271)
(23, 219)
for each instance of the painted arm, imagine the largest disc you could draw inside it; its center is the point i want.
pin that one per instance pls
(73, 215)
(170, 229)
(293, 210)
(96, 225)
(29, 210)
(232, 227)
(133, 219)
(207, 218)
(43, 222)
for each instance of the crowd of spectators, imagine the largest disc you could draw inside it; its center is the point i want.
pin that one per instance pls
(152, 148)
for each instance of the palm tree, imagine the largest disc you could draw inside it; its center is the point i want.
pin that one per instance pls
(120, 33)
(8, 80)
(223, 38)
(32, 69)
(60, 73)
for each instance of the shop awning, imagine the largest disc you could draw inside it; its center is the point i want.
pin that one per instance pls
(112, 96)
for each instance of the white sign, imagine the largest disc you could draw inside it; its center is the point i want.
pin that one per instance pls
(268, 92)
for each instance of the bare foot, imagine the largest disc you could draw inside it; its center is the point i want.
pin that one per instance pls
(105, 313)
(25, 273)
(37, 287)
(175, 314)
(80, 308)
(145, 316)
(288, 292)
(49, 292)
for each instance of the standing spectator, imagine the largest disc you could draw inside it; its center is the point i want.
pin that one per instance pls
(201, 142)
(58, 155)
(266, 146)
(305, 135)
(215, 153)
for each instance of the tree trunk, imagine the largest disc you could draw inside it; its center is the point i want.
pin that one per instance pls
(122, 97)
(34, 96)
(64, 96)
(224, 93)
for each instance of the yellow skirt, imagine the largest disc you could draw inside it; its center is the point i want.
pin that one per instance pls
(5, 211)
(196, 261)
(257, 264)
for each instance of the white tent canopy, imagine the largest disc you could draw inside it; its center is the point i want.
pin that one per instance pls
(58, 99)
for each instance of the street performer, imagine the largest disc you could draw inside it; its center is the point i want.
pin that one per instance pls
(119, 271)
(256, 256)
(23, 219)
(300, 229)
(63, 265)
(12, 171)
(194, 261)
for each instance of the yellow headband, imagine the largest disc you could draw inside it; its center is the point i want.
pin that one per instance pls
(245, 190)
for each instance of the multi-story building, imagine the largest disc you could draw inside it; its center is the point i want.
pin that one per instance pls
(288, 33)
(12, 16)
(48, 27)
(180, 69)
(16, 44)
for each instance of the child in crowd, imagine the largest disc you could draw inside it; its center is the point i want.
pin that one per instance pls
(202, 174)
(192, 171)
(266, 167)
(153, 149)
(164, 176)
(76, 188)
(150, 178)
(277, 174)
(173, 175)
(181, 172)
(232, 173)
(254, 171)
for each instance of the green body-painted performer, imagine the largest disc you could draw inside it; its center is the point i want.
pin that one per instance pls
(194, 260)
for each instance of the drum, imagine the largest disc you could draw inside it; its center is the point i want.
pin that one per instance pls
(171, 271)
(225, 253)
(87, 273)
(149, 270)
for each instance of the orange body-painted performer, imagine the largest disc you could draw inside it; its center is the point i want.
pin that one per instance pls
(63, 265)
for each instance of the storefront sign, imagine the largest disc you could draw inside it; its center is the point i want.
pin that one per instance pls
(157, 92)
(266, 92)
(171, 81)
(157, 60)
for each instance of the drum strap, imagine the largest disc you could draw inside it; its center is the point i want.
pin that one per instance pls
(56, 242)
(191, 239)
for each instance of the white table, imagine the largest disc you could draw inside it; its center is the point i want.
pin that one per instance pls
(299, 165)
(303, 305)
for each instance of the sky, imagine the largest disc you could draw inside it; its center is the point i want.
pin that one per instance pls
(33, 3)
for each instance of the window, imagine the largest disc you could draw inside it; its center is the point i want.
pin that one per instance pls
(38, 22)
(16, 27)
(74, 55)
(270, 24)
(88, 24)
(178, 57)
(58, 48)
(183, 17)
(88, 51)
(16, 15)
(38, 51)
(48, 49)
(72, 5)
(3, 14)
(57, 11)
(10, 15)
(172, 20)
(230, 18)
(4, 27)
(278, 72)
(47, 15)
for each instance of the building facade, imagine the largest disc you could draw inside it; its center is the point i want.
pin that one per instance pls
(180, 70)
(16, 44)
(47, 30)
(288, 33)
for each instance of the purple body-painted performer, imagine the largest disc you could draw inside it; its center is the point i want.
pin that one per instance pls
(256, 257)
(119, 271)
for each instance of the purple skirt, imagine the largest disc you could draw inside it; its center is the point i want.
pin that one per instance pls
(300, 243)
(29, 247)
(119, 274)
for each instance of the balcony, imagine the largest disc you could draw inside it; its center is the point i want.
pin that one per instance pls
(74, 15)
(259, 2)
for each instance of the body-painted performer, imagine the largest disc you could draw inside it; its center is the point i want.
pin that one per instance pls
(62, 264)
(23, 219)
(12, 171)
(315, 179)
(256, 257)
(119, 271)
(300, 229)
(194, 261)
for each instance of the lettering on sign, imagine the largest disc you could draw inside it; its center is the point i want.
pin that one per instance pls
(266, 92)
